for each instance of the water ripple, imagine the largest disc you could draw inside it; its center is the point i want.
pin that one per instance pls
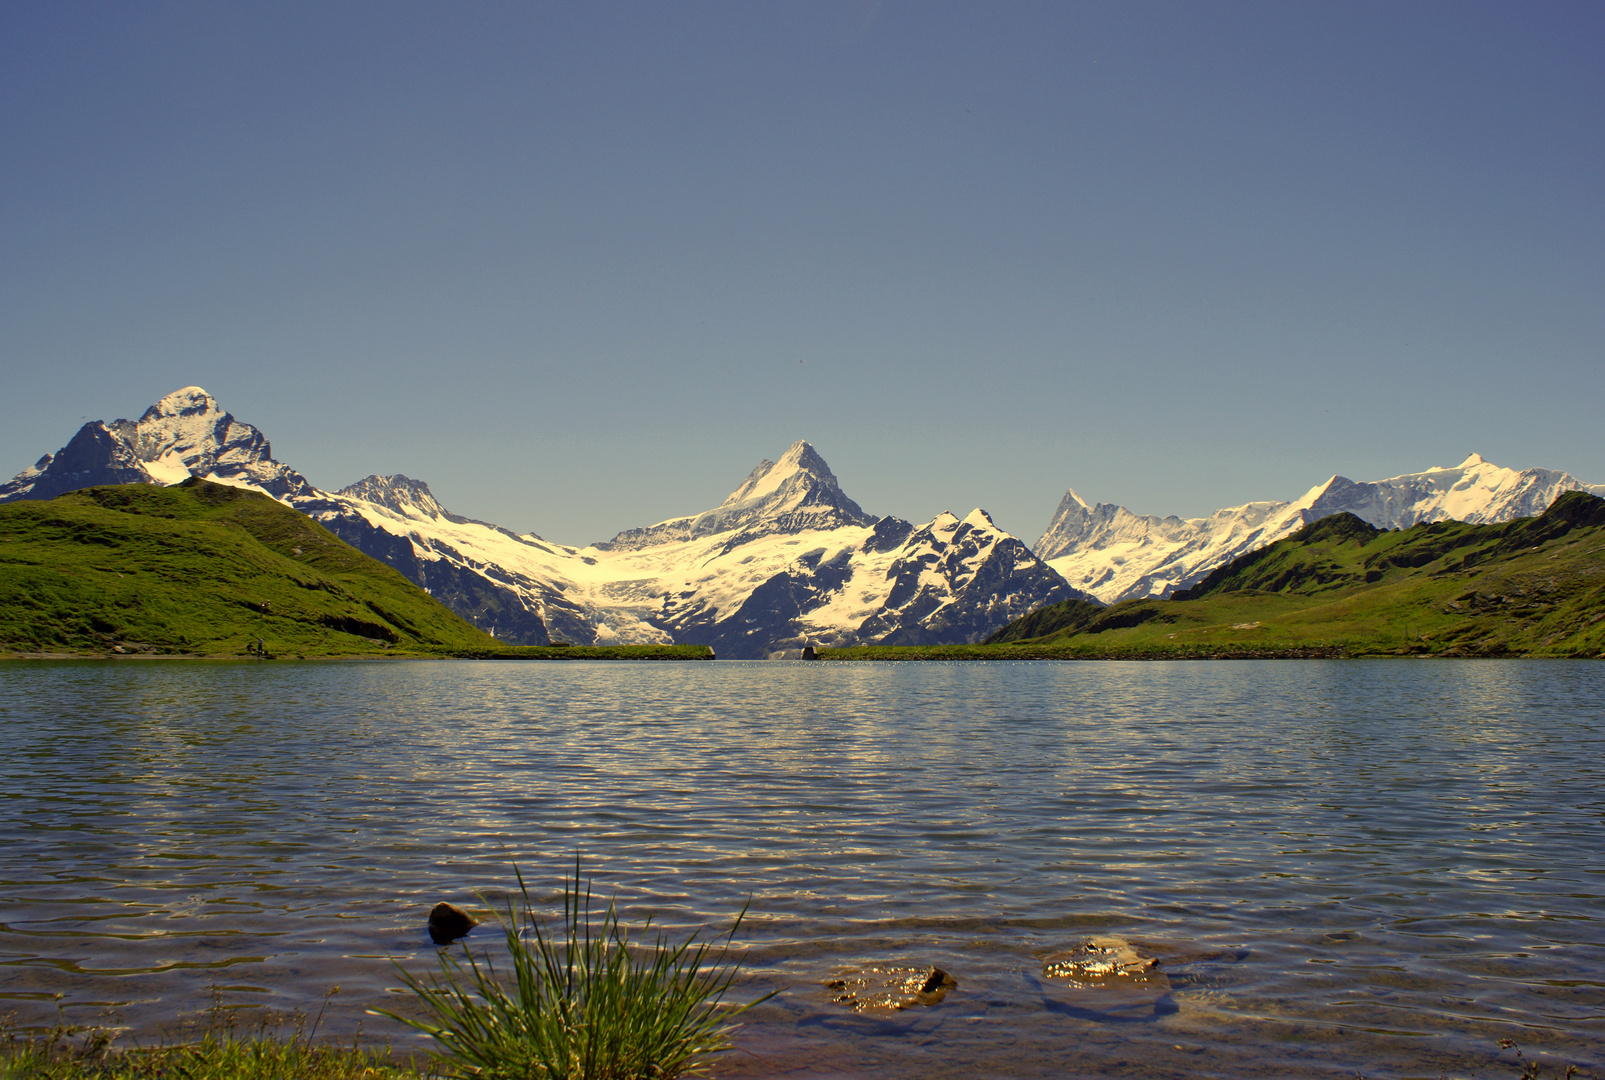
(1342, 867)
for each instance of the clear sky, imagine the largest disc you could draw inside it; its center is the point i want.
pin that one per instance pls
(581, 265)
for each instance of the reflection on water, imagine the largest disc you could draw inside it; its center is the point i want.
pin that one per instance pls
(1339, 867)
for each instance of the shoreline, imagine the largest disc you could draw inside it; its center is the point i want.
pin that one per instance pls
(671, 653)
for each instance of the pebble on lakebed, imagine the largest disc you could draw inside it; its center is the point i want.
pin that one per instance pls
(448, 922)
(890, 988)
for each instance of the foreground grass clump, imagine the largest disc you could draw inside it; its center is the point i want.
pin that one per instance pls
(584, 1002)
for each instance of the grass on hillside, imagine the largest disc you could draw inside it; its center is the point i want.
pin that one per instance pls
(202, 569)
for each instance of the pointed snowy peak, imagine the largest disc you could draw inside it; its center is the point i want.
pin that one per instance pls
(1474, 460)
(1334, 492)
(799, 467)
(796, 494)
(405, 496)
(1069, 524)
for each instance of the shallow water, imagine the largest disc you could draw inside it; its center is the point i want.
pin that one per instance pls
(1342, 867)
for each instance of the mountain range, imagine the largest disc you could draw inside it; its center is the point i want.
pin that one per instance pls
(787, 559)
(1116, 555)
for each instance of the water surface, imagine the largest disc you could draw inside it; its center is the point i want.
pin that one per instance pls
(1344, 867)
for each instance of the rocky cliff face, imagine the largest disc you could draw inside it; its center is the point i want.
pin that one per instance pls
(93, 457)
(1116, 555)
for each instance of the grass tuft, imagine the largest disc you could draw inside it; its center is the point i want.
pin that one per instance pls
(583, 1001)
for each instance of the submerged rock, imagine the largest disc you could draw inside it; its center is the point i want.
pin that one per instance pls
(448, 922)
(891, 988)
(1108, 977)
(1098, 960)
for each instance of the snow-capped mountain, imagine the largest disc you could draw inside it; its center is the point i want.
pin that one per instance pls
(787, 559)
(798, 493)
(1116, 555)
(185, 434)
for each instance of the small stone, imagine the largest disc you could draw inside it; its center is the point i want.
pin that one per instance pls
(448, 922)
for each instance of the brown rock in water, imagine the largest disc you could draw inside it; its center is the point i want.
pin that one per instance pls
(1098, 960)
(448, 922)
(1109, 976)
(873, 989)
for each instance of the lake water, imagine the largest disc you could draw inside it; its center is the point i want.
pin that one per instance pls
(1381, 868)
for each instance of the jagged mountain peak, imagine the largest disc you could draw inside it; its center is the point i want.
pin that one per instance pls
(396, 492)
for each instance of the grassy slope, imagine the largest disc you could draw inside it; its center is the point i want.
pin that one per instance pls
(1534, 587)
(202, 569)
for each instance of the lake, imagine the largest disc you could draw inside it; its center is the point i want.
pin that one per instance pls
(1342, 867)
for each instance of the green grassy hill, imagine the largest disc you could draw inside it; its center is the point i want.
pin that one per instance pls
(1338, 587)
(206, 570)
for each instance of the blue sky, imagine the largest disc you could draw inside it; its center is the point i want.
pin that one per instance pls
(581, 265)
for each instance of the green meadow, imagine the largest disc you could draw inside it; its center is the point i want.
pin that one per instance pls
(202, 569)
